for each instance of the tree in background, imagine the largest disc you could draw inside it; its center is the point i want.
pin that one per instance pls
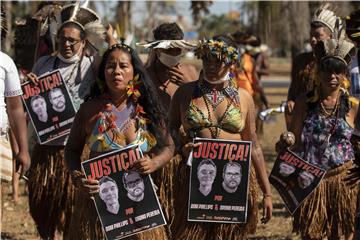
(218, 25)
(198, 9)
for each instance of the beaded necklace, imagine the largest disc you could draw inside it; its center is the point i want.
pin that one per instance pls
(214, 97)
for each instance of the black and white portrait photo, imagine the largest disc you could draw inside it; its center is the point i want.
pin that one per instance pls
(134, 185)
(206, 173)
(231, 177)
(286, 169)
(38, 106)
(57, 100)
(305, 179)
(109, 193)
(50, 107)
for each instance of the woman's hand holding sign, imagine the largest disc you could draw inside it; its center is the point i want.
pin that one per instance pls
(32, 77)
(188, 147)
(146, 165)
(86, 186)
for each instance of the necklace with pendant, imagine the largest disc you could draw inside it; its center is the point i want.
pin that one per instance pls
(215, 97)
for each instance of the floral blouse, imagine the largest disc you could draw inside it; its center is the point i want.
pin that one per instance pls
(326, 140)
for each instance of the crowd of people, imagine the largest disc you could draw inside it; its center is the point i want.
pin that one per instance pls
(163, 105)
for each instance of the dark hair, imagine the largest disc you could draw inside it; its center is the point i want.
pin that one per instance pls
(230, 164)
(71, 24)
(55, 90)
(337, 66)
(126, 174)
(36, 97)
(106, 179)
(149, 98)
(333, 65)
(168, 31)
(315, 25)
(353, 25)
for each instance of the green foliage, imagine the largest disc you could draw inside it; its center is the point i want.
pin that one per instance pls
(217, 25)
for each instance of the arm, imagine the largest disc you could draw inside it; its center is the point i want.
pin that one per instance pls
(160, 158)
(298, 118)
(249, 134)
(262, 64)
(18, 123)
(76, 142)
(73, 150)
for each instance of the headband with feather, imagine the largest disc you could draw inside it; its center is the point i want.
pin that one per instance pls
(88, 20)
(166, 44)
(325, 15)
(338, 47)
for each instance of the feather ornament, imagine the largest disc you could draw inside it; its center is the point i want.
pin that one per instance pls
(75, 11)
(95, 34)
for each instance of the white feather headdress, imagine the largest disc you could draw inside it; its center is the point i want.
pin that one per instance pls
(338, 47)
(166, 44)
(88, 20)
(325, 14)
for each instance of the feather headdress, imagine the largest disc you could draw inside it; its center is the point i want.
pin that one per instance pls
(325, 14)
(166, 44)
(88, 20)
(338, 47)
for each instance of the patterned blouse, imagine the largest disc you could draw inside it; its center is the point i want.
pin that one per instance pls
(326, 140)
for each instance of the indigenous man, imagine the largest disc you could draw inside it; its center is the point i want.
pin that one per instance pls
(50, 187)
(168, 73)
(303, 72)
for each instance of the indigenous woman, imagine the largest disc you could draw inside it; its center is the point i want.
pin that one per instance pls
(124, 109)
(323, 123)
(214, 107)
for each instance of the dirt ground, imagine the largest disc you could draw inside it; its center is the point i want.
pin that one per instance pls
(18, 224)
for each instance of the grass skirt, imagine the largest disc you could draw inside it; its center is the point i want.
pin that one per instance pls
(85, 223)
(181, 229)
(329, 210)
(50, 190)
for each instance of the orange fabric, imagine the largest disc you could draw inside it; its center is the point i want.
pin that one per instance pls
(245, 75)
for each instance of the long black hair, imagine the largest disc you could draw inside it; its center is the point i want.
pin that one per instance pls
(149, 99)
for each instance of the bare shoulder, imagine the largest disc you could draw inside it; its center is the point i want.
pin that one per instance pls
(244, 95)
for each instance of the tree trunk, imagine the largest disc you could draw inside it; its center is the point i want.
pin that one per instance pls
(299, 16)
(6, 42)
(264, 21)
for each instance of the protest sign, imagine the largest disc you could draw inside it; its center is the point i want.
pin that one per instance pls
(126, 203)
(49, 106)
(219, 179)
(294, 179)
